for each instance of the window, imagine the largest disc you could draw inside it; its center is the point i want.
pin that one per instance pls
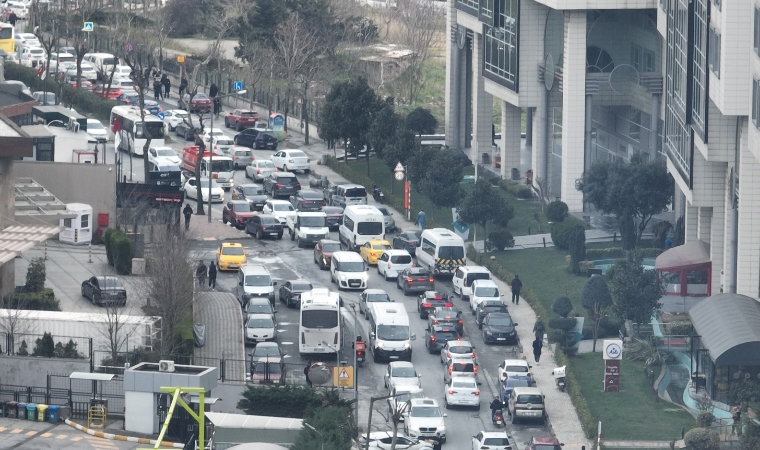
(67, 223)
(713, 52)
(636, 57)
(699, 92)
(85, 222)
(348, 223)
(468, 5)
(757, 31)
(500, 45)
(427, 247)
(756, 103)
(45, 151)
(634, 130)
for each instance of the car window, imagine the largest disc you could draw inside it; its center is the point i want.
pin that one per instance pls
(258, 280)
(232, 251)
(530, 398)
(242, 207)
(297, 154)
(401, 259)
(260, 323)
(425, 411)
(522, 369)
(403, 372)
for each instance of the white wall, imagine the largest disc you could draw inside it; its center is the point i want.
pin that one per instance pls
(140, 412)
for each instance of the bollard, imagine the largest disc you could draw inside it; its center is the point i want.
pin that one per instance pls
(528, 229)
(90, 252)
(614, 237)
(544, 239)
(45, 250)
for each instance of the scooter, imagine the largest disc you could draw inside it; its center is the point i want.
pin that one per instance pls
(378, 195)
(497, 417)
(361, 350)
(559, 377)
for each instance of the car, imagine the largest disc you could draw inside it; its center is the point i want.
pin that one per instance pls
(267, 350)
(268, 370)
(401, 373)
(280, 209)
(259, 328)
(252, 193)
(498, 328)
(241, 156)
(526, 403)
(240, 119)
(152, 107)
(186, 130)
(129, 98)
(222, 145)
(494, 440)
(330, 190)
(230, 256)
(191, 190)
(307, 200)
(24, 60)
(258, 305)
(281, 184)
(174, 117)
(483, 290)
(104, 290)
(334, 216)
(369, 296)
(21, 85)
(382, 440)
(514, 367)
(393, 262)
(429, 300)
(166, 153)
(69, 50)
(208, 134)
(460, 367)
(44, 98)
(22, 12)
(407, 240)
(461, 391)
(102, 91)
(199, 103)
(237, 213)
(262, 225)
(400, 395)
(507, 385)
(486, 307)
(256, 139)
(36, 54)
(437, 336)
(425, 420)
(390, 224)
(87, 70)
(97, 130)
(290, 292)
(58, 62)
(291, 160)
(323, 252)
(84, 83)
(122, 72)
(447, 315)
(373, 249)
(12, 58)
(259, 169)
(29, 39)
(543, 443)
(457, 349)
(415, 279)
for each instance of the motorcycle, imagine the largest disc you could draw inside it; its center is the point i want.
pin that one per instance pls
(559, 377)
(497, 417)
(361, 350)
(378, 195)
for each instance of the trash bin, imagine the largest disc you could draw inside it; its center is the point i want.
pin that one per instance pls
(53, 413)
(31, 409)
(41, 412)
(11, 409)
(486, 158)
(21, 408)
(515, 174)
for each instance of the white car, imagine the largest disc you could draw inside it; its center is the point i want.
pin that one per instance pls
(492, 440)
(222, 144)
(425, 420)
(27, 38)
(12, 58)
(457, 349)
(259, 169)
(383, 439)
(88, 72)
(514, 368)
(281, 209)
(21, 84)
(483, 290)
(174, 117)
(215, 132)
(97, 130)
(260, 328)
(291, 160)
(191, 190)
(167, 153)
(122, 72)
(393, 262)
(401, 373)
(462, 391)
(124, 83)
(401, 395)
(36, 54)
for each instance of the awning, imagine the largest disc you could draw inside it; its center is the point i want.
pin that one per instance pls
(17, 239)
(226, 420)
(690, 254)
(729, 325)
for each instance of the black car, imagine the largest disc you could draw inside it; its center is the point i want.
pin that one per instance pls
(498, 328)
(429, 300)
(407, 240)
(262, 225)
(253, 193)
(437, 336)
(307, 200)
(415, 279)
(184, 130)
(334, 216)
(290, 292)
(486, 307)
(447, 315)
(280, 184)
(105, 291)
(255, 138)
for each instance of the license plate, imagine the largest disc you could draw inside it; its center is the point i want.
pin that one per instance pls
(393, 357)
(273, 233)
(501, 339)
(317, 350)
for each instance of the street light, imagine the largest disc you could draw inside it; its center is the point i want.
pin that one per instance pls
(356, 371)
(315, 430)
(211, 148)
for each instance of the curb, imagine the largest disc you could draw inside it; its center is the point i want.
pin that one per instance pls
(118, 437)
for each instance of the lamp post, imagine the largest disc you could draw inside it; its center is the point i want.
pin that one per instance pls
(315, 430)
(211, 147)
(356, 372)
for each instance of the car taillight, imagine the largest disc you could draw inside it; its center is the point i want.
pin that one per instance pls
(372, 254)
(435, 322)
(476, 393)
(450, 369)
(432, 279)
(427, 305)
(432, 338)
(278, 185)
(448, 304)
(258, 170)
(475, 370)
(448, 354)
(451, 391)
(409, 280)
(298, 185)
(389, 265)
(473, 355)
(460, 323)
(303, 338)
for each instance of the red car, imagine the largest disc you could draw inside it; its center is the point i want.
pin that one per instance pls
(268, 370)
(240, 119)
(543, 443)
(199, 103)
(112, 94)
(323, 252)
(237, 212)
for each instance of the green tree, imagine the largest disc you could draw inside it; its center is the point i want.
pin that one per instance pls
(577, 248)
(556, 211)
(35, 275)
(402, 147)
(383, 129)
(44, 346)
(442, 180)
(22, 349)
(631, 191)
(636, 292)
(562, 306)
(701, 439)
(421, 121)
(287, 401)
(483, 205)
(333, 422)
(596, 299)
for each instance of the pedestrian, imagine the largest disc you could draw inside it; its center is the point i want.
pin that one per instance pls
(201, 272)
(736, 416)
(538, 344)
(12, 19)
(146, 74)
(212, 275)
(182, 85)
(516, 286)
(166, 85)
(435, 441)
(188, 212)
(538, 328)
(213, 91)
(420, 220)
(306, 373)
(157, 89)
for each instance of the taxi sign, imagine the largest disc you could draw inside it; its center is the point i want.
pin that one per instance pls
(343, 376)
(180, 58)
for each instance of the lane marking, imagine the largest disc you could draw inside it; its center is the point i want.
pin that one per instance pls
(17, 431)
(46, 435)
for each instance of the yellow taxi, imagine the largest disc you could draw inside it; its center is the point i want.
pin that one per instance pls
(230, 256)
(373, 250)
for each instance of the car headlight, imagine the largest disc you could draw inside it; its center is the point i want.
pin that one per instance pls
(488, 332)
(380, 345)
(343, 277)
(231, 180)
(407, 345)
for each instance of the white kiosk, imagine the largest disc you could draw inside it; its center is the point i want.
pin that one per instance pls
(77, 231)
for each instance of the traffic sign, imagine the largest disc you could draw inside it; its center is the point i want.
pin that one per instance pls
(161, 115)
(237, 86)
(343, 377)
(398, 172)
(398, 168)
(88, 26)
(128, 48)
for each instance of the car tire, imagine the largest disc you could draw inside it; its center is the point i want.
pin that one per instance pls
(445, 402)
(96, 299)
(226, 123)
(238, 127)
(298, 242)
(421, 316)
(279, 236)
(375, 358)
(306, 171)
(406, 292)
(258, 234)
(292, 234)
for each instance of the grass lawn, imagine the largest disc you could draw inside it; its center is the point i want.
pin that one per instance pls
(632, 413)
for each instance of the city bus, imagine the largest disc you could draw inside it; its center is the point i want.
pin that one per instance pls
(7, 43)
(127, 127)
(319, 324)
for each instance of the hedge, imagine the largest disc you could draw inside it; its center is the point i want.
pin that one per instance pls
(556, 211)
(43, 300)
(122, 250)
(519, 190)
(562, 231)
(617, 252)
(107, 240)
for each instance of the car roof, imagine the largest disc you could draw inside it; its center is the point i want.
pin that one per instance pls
(284, 174)
(258, 316)
(250, 269)
(107, 278)
(527, 390)
(442, 329)
(397, 252)
(279, 202)
(459, 343)
(233, 244)
(374, 291)
(499, 314)
(401, 364)
(546, 440)
(479, 269)
(239, 202)
(485, 283)
(417, 270)
(263, 161)
(496, 434)
(516, 362)
(378, 241)
(408, 388)
(329, 241)
(424, 402)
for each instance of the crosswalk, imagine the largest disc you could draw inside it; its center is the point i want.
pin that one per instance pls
(56, 435)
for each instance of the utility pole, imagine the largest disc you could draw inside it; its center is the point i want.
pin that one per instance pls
(356, 372)
(369, 420)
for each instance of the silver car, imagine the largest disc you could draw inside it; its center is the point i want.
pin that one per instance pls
(241, 156)
(390, 224)
(259, 169)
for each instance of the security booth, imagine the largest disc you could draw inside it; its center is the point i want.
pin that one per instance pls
(686, 272)
(277, 125)
(77, 230)
(68, 117)
(726, 348)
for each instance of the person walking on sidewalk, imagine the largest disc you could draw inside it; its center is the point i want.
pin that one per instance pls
(212, 275)
(12, 19)
(421, 218)
(200, 273)
(538, 344)
(188, 212)
(182, 85)
(157, 89)
(166, 82)
(516, 287)
(539, 329)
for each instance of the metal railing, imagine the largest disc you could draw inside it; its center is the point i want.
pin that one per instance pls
(23, 344)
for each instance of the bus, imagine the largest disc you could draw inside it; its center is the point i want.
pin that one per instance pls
(7, 43)
(319, 324)
(128, 132)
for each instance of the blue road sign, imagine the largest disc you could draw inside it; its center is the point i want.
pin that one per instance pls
(161, 115)
(237, 86)
(88, 26)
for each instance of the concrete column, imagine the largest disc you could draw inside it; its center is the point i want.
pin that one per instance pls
(529, 126)
(540, 137)
(573, 107)
(482, 104)
(704, 224)
(587, 132)
(717, 245)
(655, 117)
(690, 223)
(748, 251)
(453, 125)
(510, 139)
(7, 214)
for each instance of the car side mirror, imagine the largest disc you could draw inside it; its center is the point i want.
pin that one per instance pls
(366, 269)
(413, 336)
(274, 284)
(240, 283)
(516, 324)
(371, 335)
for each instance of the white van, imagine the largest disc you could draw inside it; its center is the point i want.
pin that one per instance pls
(348, 271)
(254, 281)
(441, 251)
(463, 278)
(103, 63)
(349, 194)
(361, 223)
(390, 337)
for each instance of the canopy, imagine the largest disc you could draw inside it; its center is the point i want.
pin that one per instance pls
(729, 325)
(694, 253)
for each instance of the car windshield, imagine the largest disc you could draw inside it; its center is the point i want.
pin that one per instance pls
(314, 222)
(200, 96)
(411, 235)
(283, 207)
(301, 286)
(393, 333)
(381, 246)
(356, 192)
(425, 411)
(403, 372)
(224, 165)
(97, 126)
(351, 266)
(253, 190)
(517, 382)
(296, 154)
(500, 321)
(262, 308)
(502, 442)
(460, 349)
(463, 367)
(369, 228)
(242, 207)
(265, 350)
(265, 165)
(249, 114)
(491, 306)
(371, 298)
(530, 398)
(465, 384)
(268, 134)
(331, 247)
(383, 210)
(319, 319)
(239, 153)
(288, 180)
(311, 195)
(260, 323)
(401, 259)
(232, 250)
(477, 276)
(445, 335)
(126, 83)
(265, 367)
(258, 280)
(109, 61)
(520, 369)
(269, 220)
(109, 283)
(404, 397)
(487, 292)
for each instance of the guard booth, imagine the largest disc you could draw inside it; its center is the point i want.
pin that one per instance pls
(77, 231)
(277, 125)
(68, 117)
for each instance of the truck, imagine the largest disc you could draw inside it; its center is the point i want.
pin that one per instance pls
(222, 167)
(308, 227)
(241, 119)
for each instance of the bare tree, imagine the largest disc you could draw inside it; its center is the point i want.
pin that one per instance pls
(115, 330)
(420, 22)
(543, 191)
(14, 322)
(163, 27)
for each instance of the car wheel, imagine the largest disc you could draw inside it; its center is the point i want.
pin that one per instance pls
(406, 292)
(306, 171)
(446, 402)
(238, 127)
(224, 219)
(96, 299)
(375, 358)
(258, 234)
(226, 123)
(298, 242)
(398, 286)
(285, 168)
(291, 232)
(422, 316)
(279, 236)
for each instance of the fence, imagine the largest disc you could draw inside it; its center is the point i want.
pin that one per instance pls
(76, 347)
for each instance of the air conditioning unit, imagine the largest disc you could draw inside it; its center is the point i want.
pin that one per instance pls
(166, 366)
